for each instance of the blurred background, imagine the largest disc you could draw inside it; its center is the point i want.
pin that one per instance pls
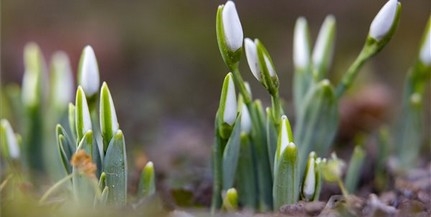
(164, 69)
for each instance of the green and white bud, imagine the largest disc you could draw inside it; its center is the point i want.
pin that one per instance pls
(82, 114)
(324, 47)
(88, 72)
(108, 117)
(229, 34)
(9, 140)
(309, 185)
(384, 20)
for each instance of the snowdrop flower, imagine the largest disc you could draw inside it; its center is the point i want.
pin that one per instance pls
(301, 46)
(384, 20)
(10, 139)
(262, 69)
(232, 27)
(88, 75)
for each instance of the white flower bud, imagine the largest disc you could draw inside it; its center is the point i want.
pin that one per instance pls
(232, 27)
(89, 72)
(384, 20)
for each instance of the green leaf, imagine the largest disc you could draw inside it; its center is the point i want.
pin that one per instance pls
(82, 114)
(115, 167)
(231, 155)
(108, 117)
(66, 148)
(217, 162)
(84, 186)
(317, 125)
(71, 119)
(271, 136)
(147, 182)
(260, 146)
(409, 132)
(247, 178)
(286, 177)
(354, 171)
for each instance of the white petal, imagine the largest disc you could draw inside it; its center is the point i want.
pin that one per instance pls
(284, 134)
(383, 21)
(425, 54)
(270, 67)
(245, 120)
(230, 109)
(10, 140)
(301, 49)
(232, 26)
(253, 61)
(89, 77)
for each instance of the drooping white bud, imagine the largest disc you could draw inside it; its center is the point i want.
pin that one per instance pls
(232, 26)
(88, 76)
(384, 20)
(252, 59)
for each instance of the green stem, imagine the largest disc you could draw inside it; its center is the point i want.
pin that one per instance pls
(240, 84)
(54, 187)
(343, 189)
(276, 109)
(352, 72)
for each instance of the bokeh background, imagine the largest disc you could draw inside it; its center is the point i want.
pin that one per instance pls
(164, 69)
